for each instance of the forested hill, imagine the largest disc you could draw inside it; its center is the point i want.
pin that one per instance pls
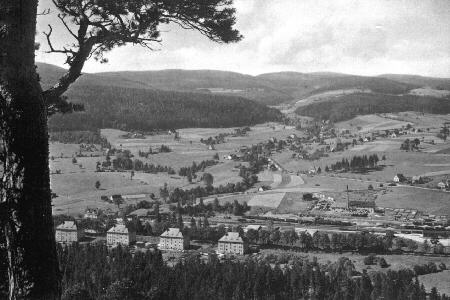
(301, 85)
(146, 109)
(346, 107)
(196, 81)
(270, 88)
(433, 82)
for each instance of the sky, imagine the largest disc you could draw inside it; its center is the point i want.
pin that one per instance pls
(363, 37)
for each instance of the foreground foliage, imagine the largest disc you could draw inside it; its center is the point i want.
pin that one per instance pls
(93, 272)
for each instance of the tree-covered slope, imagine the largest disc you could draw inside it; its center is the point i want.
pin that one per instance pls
(145, 109)
(306, 84)
(348, 106)
(422, 81)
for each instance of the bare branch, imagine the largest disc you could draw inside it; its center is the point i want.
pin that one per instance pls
(44, 12)
(67, 27)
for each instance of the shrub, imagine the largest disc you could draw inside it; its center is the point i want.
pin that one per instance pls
(382, 262)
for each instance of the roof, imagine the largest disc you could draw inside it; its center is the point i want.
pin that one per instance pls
(118, 229)
(67, 225)
(231, 237)
(254, 227)
(362, 204)
(172, 233)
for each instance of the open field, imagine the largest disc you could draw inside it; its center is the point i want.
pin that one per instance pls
(75, 185)
(430, 201)
(385, 121)
(368, 123)
(439, 280)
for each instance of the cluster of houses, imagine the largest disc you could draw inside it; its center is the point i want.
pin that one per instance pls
(172, 239)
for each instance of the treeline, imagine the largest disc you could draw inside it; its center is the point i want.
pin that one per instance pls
(137, 109)
(234, 208)
(356, 163)
(323, 241)
(79, 137)
(117, 274)
(349, 106)
(162, 149)
(197, 167)
(126, 163)
(189, 195)
(410, 145)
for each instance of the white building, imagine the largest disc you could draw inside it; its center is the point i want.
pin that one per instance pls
(254, 227)
(120, 234)
(441, 185)
(68, 232)
(232, 243)
(91, 214)
(173, 239)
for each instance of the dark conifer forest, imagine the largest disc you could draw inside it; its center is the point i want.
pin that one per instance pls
(94, 272)
(349, 106)
(139, 109)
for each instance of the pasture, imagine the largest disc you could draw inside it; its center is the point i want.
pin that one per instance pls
(74, 183)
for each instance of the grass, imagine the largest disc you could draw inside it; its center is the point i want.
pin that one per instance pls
(75, 185)
(430, 201)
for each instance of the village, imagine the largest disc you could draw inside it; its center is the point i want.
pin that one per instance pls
(281, 197)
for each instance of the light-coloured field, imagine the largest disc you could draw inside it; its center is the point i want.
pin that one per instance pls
(75, 186)
(269, 199)
(430, 92)
(430, 201)
(387, 121)
(439, 280)
(368, 123)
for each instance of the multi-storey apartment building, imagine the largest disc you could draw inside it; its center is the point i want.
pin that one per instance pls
(68, 232)
(173, 239)
(120, 234)
(232, 243)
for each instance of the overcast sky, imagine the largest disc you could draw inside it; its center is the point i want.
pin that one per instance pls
(366, 37)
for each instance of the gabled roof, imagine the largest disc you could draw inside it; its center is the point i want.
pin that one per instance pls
(118, 229)
(254, 227)
(67, 225)
(172, 233)
(231, 237)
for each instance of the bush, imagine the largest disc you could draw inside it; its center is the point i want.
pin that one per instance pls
(382, 262)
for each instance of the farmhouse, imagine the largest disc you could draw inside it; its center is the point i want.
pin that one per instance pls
(367, 205)
(232, 243)
(68, 232)
(441, 185)
(173, 239)
(254, 227)
(399, 178)
(120, 234)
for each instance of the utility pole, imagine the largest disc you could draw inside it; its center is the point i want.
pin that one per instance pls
(348, 201)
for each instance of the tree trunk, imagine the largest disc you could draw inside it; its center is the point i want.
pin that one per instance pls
(26, 214)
